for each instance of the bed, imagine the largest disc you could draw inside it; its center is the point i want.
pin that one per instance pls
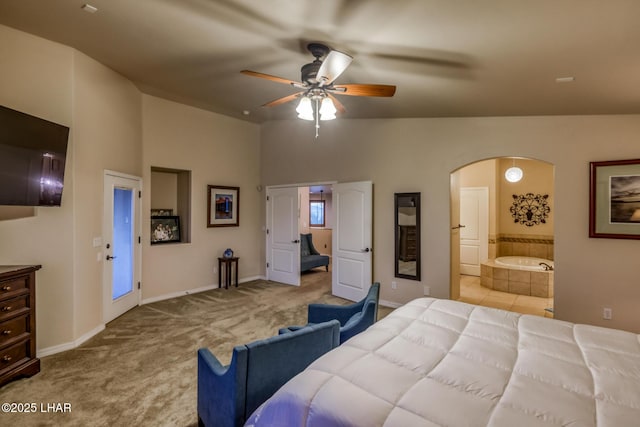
(438, 362)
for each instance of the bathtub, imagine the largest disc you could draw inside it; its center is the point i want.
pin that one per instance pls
(523, 262)
(518, 275)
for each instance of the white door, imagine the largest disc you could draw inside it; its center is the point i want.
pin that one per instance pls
(283, 240)
(121, 244)
(474, 236)
(352, 239)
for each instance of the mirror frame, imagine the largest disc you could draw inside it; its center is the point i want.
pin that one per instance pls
(416, 200)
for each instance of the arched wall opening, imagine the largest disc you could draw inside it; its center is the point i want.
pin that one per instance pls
(493, 218)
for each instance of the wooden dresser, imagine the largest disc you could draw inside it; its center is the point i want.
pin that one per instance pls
(18, 322)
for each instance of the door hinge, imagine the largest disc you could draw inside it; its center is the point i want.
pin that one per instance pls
(267, 231)
(139, 194)
(267, 265)
(267, 198)
(138, 285)
(139, 239)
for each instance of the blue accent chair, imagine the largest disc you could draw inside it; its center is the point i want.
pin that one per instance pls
(309, 257)
(353, 318)
(228, 395)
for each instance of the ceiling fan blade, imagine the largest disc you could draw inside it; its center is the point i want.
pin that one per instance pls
(282, 100)
(334, 64)
(270, 77)
(365, 90)
(337, 104)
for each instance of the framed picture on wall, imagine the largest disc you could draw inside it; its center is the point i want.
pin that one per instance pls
(223, 207)
(161, 212)
(614, 199)
(165, 229)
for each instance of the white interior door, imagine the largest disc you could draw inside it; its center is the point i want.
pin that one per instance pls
(352, 239)
(283, 239)
(121, 244)
(474, 236)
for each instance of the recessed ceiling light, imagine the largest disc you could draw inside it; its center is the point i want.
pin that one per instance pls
(89, 8)
(565, 79)
(246, 112)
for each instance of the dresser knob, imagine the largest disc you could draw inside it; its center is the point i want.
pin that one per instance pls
(6, 288)
(6, 358)
(6, 332)
(6, 308)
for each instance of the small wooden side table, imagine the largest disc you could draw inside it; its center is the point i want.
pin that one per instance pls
(228, 264)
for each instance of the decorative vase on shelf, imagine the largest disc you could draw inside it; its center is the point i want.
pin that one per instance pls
(228, 253)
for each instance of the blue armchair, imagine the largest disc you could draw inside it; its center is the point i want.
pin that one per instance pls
(228, 395)
(309, 257)
(353, 318)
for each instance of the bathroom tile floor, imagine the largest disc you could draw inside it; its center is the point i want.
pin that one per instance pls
(472, 292)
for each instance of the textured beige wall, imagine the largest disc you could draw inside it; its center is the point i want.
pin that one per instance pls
(164, 191)
(107, 132)
(303, 210)
(218, 150)
(420, 154)
(103, 110)
(37, 78)
(537, 179)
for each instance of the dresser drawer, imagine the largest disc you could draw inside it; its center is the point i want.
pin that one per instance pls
(14, 355)
(13, 329)
(13, 307)
(13, 286)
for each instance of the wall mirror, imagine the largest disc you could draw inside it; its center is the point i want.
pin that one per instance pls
(407, 235)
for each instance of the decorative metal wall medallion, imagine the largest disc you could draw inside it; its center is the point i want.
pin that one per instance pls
(530, 209)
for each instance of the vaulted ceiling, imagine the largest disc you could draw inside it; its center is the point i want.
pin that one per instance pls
(448, 58)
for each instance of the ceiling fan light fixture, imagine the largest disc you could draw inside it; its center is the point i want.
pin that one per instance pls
(327, 109)
(305, 109)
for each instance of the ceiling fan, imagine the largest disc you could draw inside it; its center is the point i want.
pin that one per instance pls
(318, 87)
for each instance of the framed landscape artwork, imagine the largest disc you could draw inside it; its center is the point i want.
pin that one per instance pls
(614, 199)
(223, 207)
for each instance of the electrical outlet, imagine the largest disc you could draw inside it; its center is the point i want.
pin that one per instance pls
(427, 290)
(607, 313)
(394, 285)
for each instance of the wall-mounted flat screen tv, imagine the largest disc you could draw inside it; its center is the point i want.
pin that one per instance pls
(32, 159)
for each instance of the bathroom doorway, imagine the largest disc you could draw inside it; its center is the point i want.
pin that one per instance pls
(520, 224)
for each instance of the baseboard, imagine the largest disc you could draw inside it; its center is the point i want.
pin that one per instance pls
(389, 304)
(193, 291)
(70, 345)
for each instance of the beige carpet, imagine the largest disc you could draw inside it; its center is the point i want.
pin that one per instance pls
(141, 370)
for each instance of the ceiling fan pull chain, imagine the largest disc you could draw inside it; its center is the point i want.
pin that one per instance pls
(317, 119)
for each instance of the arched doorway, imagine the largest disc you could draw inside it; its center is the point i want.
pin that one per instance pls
(517, 222)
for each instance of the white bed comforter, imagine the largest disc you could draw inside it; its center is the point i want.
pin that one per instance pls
(444, 363)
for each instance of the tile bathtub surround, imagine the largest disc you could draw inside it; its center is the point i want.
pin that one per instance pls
(525, 245)
(521, 282)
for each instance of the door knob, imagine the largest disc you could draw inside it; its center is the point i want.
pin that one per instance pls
(367, 250)
(109, 257)
(295, 241)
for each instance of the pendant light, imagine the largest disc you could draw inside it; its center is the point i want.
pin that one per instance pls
(514, 173)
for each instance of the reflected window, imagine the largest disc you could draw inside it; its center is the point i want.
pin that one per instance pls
(316, 213)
